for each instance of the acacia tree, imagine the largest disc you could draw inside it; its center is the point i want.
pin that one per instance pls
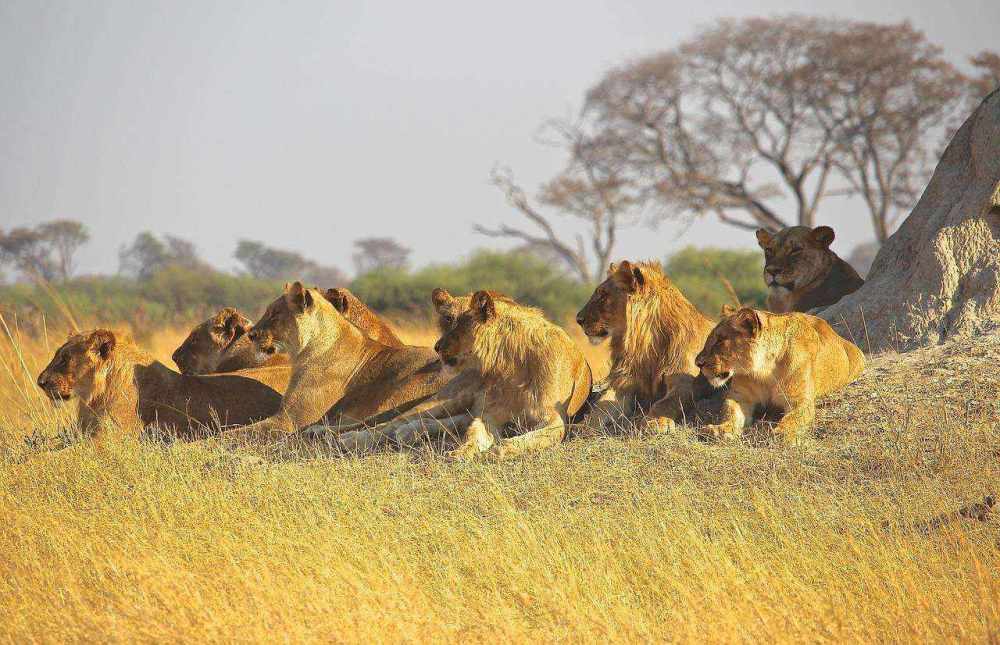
(269, 263)
(375, 253)
(986, 76)
(148, 254)
(46, 251)
(885, 90)
(593, 189)
(752, 115)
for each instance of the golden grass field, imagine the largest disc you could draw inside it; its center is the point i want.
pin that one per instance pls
(601, 539)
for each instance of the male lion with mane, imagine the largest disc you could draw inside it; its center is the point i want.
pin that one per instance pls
(655, 334)
(775, 361)
(533, 376)
(801, 271)
(119, 387)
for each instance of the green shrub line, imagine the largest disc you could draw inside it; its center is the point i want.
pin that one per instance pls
(180, 295)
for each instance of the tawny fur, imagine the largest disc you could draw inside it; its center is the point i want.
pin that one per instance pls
(655, 334)
(800, 270)
(533, 376)
(339, 375)
(780, 362)
(126, 389)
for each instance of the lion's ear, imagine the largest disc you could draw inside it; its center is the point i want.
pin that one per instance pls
(822, 236)
(298, 296)
(764, 238)
(236, 324)
(483, 305)
(102, 341)
(338, 299)
(748, 321)
(440, 297)
(611, 269)
(629, 276)
(728, 310)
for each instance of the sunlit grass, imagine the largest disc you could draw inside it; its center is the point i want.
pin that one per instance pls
(604, 539)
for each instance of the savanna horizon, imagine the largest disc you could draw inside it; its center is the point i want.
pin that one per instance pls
(614, 537)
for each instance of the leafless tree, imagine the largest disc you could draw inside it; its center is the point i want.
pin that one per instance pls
(592, 189)
(887, 95)
(751, 112)
(374, 253)
(986, 77)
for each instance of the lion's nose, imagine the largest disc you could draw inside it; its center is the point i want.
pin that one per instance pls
(253, 334)
(43, 381)
(437, 347)
(700, 361)
(579, 319)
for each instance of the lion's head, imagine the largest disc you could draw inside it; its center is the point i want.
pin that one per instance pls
(448, 307)
(286, 321)
(796, 257)
(359, 315)
(604, 314)
(204, 347)
(79, 366)
(456, 343)
(730, 347)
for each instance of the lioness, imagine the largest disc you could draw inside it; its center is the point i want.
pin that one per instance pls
(775, 361)
(220, 344)
(533, 376)
(655, 334)
(801, 271)
(339, 375)
(120, 387)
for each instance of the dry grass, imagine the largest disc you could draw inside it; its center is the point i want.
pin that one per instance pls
(609, 539)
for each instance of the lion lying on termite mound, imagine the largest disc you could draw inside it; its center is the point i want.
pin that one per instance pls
(801, 271)
(775, 361)
(655, 335)
(119, 387)
(533, 376)
(339, 375)
(221, 343)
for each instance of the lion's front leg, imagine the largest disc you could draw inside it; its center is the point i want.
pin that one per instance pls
(477, 442)
(734, 417)
(664, 414)
(545, 435)
(410, 432)
(799, 416)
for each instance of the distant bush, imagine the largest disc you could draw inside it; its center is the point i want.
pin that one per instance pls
(524, 277)
(178, 294)
(699, 273)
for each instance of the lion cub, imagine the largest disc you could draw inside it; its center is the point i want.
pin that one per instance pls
(533, 376)
(782, 361)
(801, 271)
(220, 344)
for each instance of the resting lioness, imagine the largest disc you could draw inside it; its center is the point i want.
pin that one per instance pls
(533, 376)
(220, 344)
(339, 375)
(655, 334)
(122, 389)
(801, 271)
(775, 361)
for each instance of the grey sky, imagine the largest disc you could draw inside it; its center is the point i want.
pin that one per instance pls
(310, 124)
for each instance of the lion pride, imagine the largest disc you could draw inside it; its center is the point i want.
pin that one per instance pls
(801, 271)
(120, 389)
(775, 361)
(655, 334)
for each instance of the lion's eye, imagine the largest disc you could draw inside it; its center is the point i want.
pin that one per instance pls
(448, 320)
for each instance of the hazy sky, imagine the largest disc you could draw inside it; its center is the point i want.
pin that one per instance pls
(310, 124)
